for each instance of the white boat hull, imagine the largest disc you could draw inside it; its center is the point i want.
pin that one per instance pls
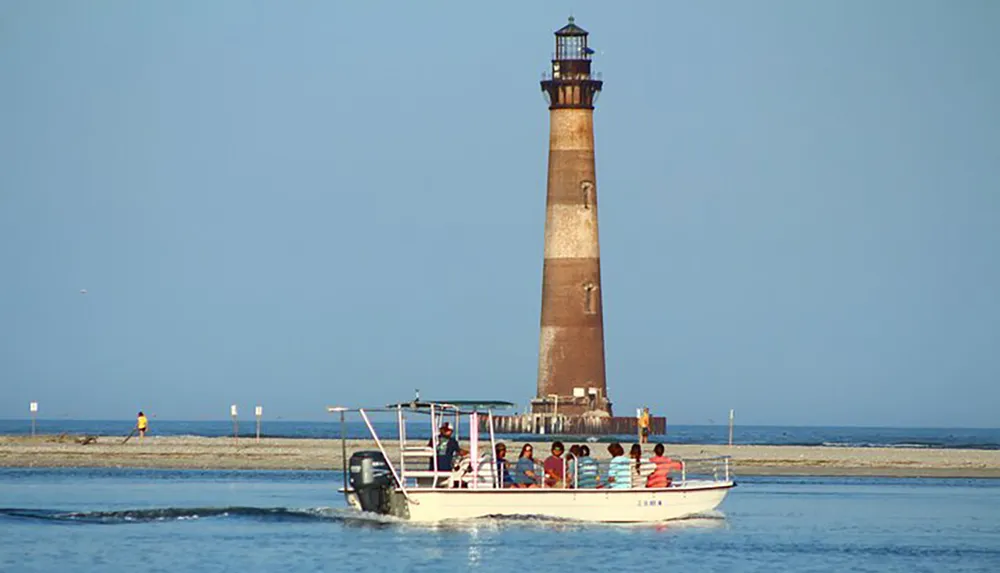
(597, 505)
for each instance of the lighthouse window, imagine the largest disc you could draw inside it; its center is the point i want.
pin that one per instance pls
(587, 190)
(571, 48)
(590, 298)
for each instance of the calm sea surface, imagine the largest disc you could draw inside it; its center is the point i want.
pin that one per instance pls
(90, 520)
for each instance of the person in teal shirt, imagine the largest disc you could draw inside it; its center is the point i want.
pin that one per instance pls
(619, 472)
(588, 475)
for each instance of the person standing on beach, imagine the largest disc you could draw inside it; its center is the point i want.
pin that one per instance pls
(141, 424)
(644, 426)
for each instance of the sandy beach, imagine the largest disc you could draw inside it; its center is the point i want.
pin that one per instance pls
(189, 452)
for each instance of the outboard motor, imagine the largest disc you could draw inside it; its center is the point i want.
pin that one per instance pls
(371, 480)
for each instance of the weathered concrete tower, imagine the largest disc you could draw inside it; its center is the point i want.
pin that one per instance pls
(571, 377)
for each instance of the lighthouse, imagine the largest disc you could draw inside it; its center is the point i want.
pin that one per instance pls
(572, 391)
(571, 372)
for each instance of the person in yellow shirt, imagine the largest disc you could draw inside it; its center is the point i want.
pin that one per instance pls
(141, 424)
(644, 426)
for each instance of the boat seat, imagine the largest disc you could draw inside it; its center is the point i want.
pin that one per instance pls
(426, 473)
(429, 478)
(419, 452)
(486, 473)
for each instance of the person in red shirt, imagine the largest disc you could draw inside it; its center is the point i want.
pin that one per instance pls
(661, 475)
(555, 467)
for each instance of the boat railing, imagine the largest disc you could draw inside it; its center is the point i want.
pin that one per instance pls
(579, 474)
(395, 475)
(624, 475)
(718, 468)
(571, 469)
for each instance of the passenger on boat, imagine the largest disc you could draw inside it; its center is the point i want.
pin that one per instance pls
(661, 475)
(640, 468)
(447, 447)
(619, 473)
(503, 467)
(571, 458)
(589, 475)
(555, 467)
(524, 472)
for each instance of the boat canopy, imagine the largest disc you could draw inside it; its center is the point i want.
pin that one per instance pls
(463, 406)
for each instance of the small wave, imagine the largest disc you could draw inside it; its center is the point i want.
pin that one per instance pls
(877, 445)
(173, 514)
(526, 517)
(706, 520)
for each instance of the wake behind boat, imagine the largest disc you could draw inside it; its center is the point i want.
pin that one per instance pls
(414, 487)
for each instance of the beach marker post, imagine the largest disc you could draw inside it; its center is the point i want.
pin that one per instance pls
(258, 411)
(343, 440)
(236, 425)
(33, 408)
(731, 414)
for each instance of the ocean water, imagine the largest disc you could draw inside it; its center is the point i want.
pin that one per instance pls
(832, 436)
(96, 520)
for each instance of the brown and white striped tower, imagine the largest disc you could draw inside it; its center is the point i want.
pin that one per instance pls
(571, 376)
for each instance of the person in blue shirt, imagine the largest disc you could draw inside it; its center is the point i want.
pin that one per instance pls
(447, 447)
(524, 472)
(503, 467)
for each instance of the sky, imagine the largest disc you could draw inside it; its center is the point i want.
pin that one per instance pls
(301, 204)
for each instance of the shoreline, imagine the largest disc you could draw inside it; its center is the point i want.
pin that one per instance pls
(191, 452)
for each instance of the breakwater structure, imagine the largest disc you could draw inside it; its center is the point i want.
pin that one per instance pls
(572, 392)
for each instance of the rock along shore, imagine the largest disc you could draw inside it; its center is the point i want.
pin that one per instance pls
(191, 452)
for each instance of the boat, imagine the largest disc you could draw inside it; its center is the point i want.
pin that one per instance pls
(409, 484)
